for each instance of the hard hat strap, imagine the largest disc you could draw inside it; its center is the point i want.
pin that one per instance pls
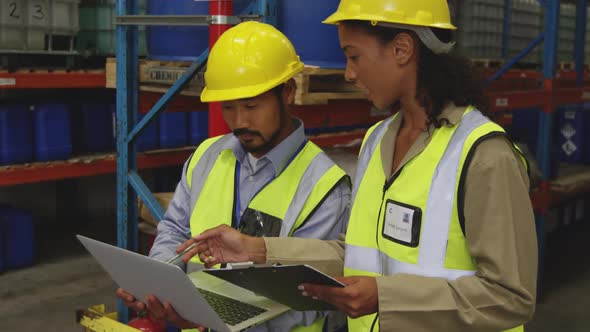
(426, 36)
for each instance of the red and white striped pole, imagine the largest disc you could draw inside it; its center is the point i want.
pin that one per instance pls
(221, 11)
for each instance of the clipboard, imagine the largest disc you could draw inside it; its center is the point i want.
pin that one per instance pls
(279, 283)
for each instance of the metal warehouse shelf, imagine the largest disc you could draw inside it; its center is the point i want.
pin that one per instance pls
(86, 166)
(52, 79)
(572, 181)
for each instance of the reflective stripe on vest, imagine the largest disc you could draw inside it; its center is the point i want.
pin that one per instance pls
(432, 178)
(374, 261)
(437, 217)
(292, 196)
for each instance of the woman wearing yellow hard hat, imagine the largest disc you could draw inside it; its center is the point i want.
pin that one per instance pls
(441, 235)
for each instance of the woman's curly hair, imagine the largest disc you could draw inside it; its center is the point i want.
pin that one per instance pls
(441, 78)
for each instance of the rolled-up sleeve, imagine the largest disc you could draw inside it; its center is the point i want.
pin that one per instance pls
(500, 234)
(174, 229)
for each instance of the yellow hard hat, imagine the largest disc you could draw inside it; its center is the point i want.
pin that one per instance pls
(248, 60)
(428, 13)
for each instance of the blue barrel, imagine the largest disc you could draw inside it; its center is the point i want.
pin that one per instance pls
(198, 127)
(178, 43)
(52, 132)
(586, 133)
(570, 133)
(316, 43)
(149, 137)
(525, 127)
(2, 237)
(16, 135)
(96, 128)
(19, 242)
(173, 129)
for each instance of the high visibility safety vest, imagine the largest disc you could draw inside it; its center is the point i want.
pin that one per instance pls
(426, 195)
(292, 196)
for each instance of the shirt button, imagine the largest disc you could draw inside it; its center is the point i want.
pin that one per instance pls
(251, 178)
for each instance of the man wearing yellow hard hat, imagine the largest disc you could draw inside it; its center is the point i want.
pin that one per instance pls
(441, 235)
(263, 179)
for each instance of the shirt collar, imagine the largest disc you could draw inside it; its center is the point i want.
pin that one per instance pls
(280, 155)
(452, 113)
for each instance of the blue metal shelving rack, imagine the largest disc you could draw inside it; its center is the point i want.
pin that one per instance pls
(550, 39)
(129, 183)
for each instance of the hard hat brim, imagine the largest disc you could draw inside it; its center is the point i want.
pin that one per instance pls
(337, 17)
(210, 95)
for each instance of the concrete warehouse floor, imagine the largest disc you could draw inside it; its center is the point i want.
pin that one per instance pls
(65, 278)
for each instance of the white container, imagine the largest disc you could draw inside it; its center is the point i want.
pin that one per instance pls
(12, 24)
(525, 26)
(566, 34)
(480, 25)
(33, 25)
(64, 17)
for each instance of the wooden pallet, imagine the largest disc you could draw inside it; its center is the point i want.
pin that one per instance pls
(488, 63)
(314, 85)
(566, 65)
(318, 86)
(158, 76)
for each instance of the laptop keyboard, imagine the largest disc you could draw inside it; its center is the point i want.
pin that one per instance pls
(231, 311)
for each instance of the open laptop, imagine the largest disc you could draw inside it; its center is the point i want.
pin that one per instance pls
(200, 298)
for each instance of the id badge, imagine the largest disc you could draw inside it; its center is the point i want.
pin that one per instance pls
(258, 223)
(401, 223)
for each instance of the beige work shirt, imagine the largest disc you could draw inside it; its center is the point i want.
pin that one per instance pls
(500, 234)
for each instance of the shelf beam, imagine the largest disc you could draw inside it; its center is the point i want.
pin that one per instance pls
(84, 166)
(44, 79)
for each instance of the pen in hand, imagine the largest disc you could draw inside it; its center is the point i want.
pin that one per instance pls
(175, 258)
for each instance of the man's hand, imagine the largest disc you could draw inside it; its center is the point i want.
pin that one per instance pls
(130, 301)
(358, 298)
(224, 244)
(167, 313)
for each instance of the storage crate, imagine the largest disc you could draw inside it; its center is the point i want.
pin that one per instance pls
(570, 137)
(525, 26)
(481, 23)
(64, 17)
(98, 31)
(38, 25)
(20, 30)
(16, 226)
(16, 134)
(52, 132)
(566, 34)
